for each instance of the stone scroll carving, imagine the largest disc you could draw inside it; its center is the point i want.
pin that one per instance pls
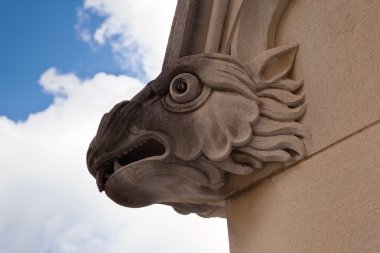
(203, 118)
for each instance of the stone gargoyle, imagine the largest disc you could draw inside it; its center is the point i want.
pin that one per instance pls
(206, 116)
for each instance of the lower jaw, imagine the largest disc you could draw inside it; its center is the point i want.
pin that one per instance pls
(131, 189)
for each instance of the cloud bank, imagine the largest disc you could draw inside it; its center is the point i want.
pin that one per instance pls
(49, 201)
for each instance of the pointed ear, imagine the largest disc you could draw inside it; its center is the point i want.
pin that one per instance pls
(272, 65)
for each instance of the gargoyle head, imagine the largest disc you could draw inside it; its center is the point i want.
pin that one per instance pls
(204, 117)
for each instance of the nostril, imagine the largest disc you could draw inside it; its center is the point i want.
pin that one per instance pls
(133, 129)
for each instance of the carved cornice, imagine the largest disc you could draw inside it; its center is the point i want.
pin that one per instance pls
(209, 115)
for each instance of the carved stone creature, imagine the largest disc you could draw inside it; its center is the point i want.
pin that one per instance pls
(207, 116)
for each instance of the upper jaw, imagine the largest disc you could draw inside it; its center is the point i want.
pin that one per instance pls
(134, 149)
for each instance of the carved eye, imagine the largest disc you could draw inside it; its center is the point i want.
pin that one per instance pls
(186, 93)
(184, 88)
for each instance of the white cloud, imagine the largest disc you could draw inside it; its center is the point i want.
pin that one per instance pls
(49, 201)
(141, 27)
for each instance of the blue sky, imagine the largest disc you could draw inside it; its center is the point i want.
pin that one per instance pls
(38, 35)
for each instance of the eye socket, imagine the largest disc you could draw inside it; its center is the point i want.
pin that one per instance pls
(184, 88)
(186, 93)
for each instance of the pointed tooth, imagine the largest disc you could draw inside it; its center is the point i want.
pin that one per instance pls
(99, 180)
(116, 165)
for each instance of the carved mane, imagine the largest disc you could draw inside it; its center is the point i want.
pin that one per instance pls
(277, 136)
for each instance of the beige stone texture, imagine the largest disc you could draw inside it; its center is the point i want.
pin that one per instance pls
(339, 60)
(328, 203)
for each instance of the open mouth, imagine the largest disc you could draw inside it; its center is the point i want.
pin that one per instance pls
(137, 151)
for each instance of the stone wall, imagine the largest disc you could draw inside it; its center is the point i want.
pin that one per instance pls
(330, 201)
